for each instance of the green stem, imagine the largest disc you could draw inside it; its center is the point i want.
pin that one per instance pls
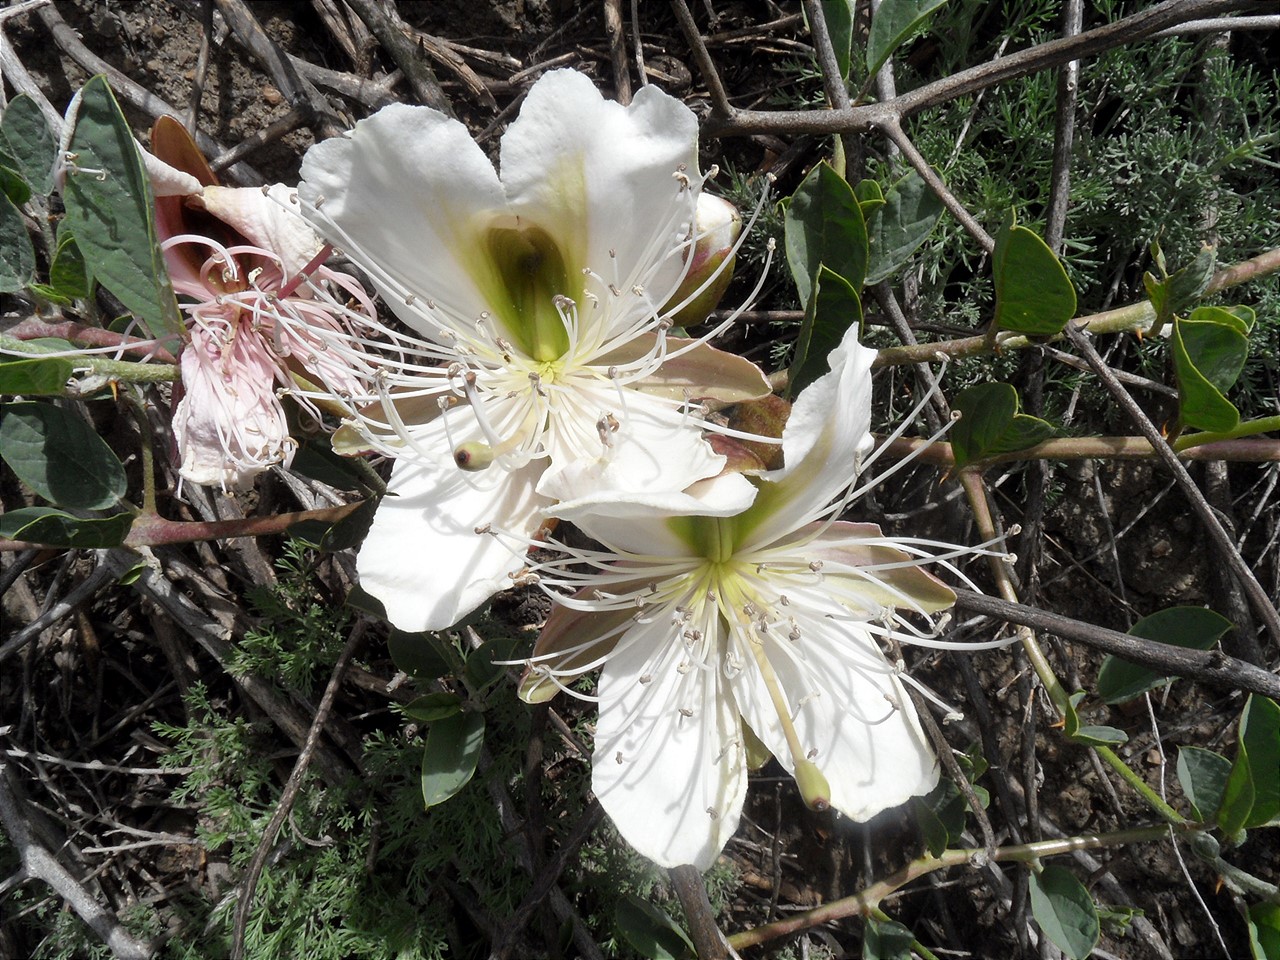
(867, 900)
(1203, 446)
(138, 410)
(1248, 428)
(126, 371)
(1153, 799)
(1136, 316)
(976, 492)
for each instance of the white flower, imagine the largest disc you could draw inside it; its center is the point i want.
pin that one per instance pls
(236, 256)
(538, 302)
(767, 618)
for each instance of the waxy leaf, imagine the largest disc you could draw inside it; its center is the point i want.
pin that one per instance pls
(1209, 351)
(12, 183)
(904, 221)
(838, 15)
(418, 654)
(870, 198)
(450, 756)
(1260, 735)
(1033, 294)
(1203, 776)
(1252, 794)
(53, 528)
(1195, 628)
(893, 24)
(110, 210)
(59, 456)
(823, 226)
(35, 376)
(990, 424)
(886, 940)
(1180, 289)
(833, 308)
(1065, 911)
(941, 813)
(1093, 736)
(363, 600)
(481, 669)
(433, 706)
(30, 143)
(17, 256)
(649, 931)
(1264, 931)
(68, 274)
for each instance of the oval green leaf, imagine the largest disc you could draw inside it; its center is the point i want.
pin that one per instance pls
(1264, 931)
(1203, 776)
(870, 198)
(418, 655)
(893, 24)
(109, 207)
(433, 706)
(833, 308)
(1033, 294)
(59, 456)
(823, 225)
(68, 274)
(886, 940)
(30, 142)
(450, 756)
(1195, 628)
(1260, 739)
(53, 528)
(649, 931)
(1209, 350)
(990, 424)
(904, 221)
(482, 669)
(1065, 911)
(34, 377)
(17, 256)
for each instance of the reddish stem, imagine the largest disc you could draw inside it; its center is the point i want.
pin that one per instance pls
(32, 329)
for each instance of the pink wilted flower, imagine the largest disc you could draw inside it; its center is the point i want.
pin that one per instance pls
(245, 267)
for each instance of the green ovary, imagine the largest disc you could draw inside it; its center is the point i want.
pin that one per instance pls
(532, 272)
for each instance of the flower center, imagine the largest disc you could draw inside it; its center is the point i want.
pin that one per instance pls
(532, 271)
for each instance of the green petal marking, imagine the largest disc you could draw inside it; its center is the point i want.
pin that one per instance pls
(532, 272)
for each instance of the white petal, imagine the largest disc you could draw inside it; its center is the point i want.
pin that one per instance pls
(598, 176)
(229, 425)
(423, 559)
(270, 221)
(839, 689)
(657, 772)
(408, 195)
(828, 431)
(655, 454)
(166, 180)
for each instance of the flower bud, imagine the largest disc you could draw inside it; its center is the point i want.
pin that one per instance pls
(765, 418)
(718, 226)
